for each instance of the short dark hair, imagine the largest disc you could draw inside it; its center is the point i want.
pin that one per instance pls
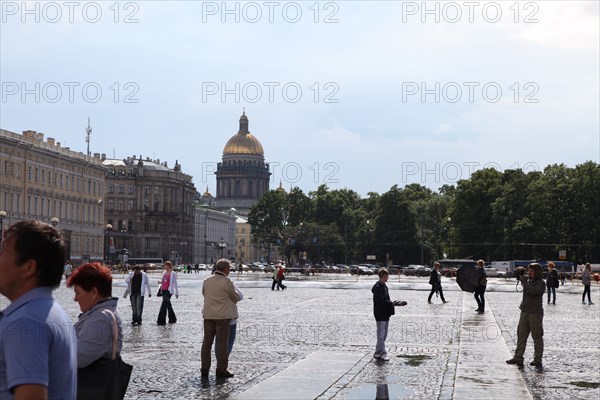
(92, 275)
(537, 268)
(41, 242)
(222, 264)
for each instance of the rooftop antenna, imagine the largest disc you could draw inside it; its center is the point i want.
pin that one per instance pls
(88, 132)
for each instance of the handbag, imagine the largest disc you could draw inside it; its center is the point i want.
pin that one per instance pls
(159, 293)
(105, 378)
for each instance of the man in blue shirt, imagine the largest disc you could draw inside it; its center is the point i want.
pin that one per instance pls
(38, 353)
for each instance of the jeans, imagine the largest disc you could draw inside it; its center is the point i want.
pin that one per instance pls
(551, 289)
(586, 289)
(382, 331)
(137, 307)
(165, 307)
(232, 330)
(480, 297)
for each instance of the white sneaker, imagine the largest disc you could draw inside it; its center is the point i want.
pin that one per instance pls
(376, 356)
(385, 358)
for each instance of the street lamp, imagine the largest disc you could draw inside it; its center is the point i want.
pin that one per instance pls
(54, 221)
(107, 234)
(2, 216)
(205, 245)
(222, 245)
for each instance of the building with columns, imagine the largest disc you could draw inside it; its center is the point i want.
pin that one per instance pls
(149, 208)
(44, 181)
(242, 176)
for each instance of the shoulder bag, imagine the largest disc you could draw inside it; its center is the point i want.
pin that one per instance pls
(105, 378)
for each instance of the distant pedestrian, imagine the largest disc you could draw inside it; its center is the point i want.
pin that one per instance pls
(138, 284)
(38, 356)
(383, 308)
(480, 289)
(532, 316)
(220, 298)
(586, 279)
(275, 272)
(68, 270)
(281, 277)
(562, 278)
(552, 282)
(435, 280)
(169, 288)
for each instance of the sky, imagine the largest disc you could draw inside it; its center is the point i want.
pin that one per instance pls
(351, 94)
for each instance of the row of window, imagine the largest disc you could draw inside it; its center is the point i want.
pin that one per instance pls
(68, 182)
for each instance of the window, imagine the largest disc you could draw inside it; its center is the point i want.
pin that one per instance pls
(120, 205)
(111, 204)
(146, 190)
(130, 189)
(121, 189)
(156, 190)
(130, 205)
(111, 188)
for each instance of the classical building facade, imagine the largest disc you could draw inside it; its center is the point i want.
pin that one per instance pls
(242, 176)
(214, 233)
(44, 181)
(149, 210)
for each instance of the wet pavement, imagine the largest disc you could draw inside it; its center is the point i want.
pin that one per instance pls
(316, 340)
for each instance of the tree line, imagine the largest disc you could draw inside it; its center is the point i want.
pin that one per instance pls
(510, 215)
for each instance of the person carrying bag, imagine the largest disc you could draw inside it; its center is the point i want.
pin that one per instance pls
(105, 379)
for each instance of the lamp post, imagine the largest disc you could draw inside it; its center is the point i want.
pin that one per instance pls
(2, 216)
(205, 245)
(107, 235)
(222, 245)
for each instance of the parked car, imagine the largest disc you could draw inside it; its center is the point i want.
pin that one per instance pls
(493, 272)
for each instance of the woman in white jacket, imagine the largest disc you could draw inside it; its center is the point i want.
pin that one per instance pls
(169, 288)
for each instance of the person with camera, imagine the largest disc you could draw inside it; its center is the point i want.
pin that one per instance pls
(552, 282)
(532, 316)
(383, 308)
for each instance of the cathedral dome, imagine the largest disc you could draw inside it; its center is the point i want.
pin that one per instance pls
(243, 142)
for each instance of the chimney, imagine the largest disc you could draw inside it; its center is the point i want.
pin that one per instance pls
(51, 141)
(40, 136)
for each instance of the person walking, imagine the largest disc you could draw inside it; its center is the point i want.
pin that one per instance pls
(220, 298)
(138, 284)
(552, 282)
(383, 308)
(532, 316)
(168, 288)
(280, 277)
(38, 356)
(275, 272)
(480, 289)
(435, 280)
(68, 270)
(586, 279)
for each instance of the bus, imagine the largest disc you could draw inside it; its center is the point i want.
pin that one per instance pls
(150, 262)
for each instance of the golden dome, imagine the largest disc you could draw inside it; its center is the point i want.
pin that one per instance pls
(243, 142)
(280, 188)
(207, 193)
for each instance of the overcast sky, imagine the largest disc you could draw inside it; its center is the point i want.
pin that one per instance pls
(353, 94)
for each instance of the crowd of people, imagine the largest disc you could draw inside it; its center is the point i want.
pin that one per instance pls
(51, 365)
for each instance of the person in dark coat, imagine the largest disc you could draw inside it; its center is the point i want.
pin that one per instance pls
(383, 308)
(552, 282)
(480, 290)
(435, 280)
(532, 316)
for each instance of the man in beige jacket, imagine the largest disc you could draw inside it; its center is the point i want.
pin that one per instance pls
(220, 300)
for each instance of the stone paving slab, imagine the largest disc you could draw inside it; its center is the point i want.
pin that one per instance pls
(481, 346)
(299, 380)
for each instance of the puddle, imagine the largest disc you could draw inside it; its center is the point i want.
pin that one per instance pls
(583, 384)
(379, 392)
(414, 360)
